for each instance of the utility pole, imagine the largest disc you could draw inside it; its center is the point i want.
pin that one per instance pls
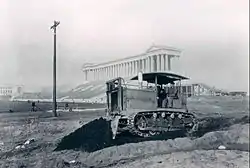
(56, 23)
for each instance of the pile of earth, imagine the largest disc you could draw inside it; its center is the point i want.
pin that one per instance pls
(97, 134)
(90, 137)
(203, 151)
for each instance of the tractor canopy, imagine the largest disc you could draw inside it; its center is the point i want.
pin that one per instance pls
(160, 77)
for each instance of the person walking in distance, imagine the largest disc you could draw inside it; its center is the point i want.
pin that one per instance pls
(33, 104)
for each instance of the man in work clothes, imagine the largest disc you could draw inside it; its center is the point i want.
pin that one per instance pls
(171, 95)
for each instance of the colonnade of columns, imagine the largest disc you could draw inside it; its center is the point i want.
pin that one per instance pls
(129, 67)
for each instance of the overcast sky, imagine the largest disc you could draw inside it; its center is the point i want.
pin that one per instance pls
(212, 33)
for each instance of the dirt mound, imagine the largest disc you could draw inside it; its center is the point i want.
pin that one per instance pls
(194, 159)
(231, 139)
(209, 124)
(93, 136)
(97, 134)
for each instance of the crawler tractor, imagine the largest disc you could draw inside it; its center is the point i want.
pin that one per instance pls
(139, 110)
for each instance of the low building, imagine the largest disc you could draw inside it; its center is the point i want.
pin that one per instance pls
(8, 91)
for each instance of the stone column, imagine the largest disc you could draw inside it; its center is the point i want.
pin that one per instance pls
(122, 70)
(92, 74)
(139, 65)
(145, 65)
(89, 75)
(165, 62)
(158, 62)
(98, 74)
(118, 70)
(154, 63)
(133, 68)
(95, 74)
(102, 73)
(109, 71)
(162, 62)
(113, 71)
(126, 69)
(107, 74)
(149, 64)
(142, 65)
(129, 69)
(169, 62)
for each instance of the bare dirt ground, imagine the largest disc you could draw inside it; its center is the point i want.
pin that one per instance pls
(225, 121)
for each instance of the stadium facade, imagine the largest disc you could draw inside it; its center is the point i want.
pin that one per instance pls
(156, 58)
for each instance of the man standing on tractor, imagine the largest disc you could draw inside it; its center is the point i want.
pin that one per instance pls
(162, 97)
(171, 95)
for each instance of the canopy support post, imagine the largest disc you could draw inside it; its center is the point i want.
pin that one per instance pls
(156, 89)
